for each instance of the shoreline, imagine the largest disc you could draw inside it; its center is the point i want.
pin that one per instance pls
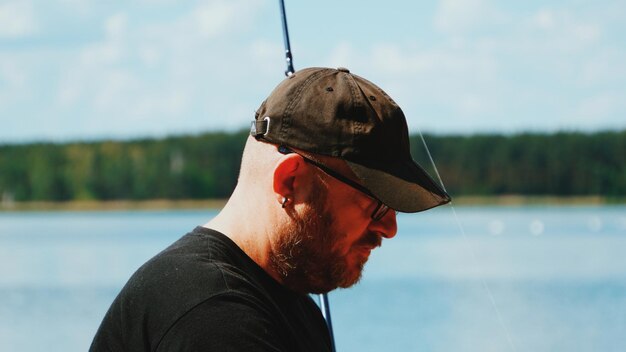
(516, 199)
(113, 205)
(168, 204)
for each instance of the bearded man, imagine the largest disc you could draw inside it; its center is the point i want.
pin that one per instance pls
(322, 175)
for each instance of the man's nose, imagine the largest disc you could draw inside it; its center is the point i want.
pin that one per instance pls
(386, 226)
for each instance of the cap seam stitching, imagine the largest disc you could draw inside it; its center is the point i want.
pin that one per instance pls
(358, 126)
(284, 128)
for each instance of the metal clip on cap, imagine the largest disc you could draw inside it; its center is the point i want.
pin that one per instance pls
(259, 128)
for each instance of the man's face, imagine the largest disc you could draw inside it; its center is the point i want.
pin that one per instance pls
(328, 243)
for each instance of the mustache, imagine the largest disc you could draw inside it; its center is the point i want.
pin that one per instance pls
(370, 239)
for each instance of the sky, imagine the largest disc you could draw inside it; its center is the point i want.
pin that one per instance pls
(86, 69)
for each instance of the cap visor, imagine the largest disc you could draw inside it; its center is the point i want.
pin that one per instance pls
(405, 187)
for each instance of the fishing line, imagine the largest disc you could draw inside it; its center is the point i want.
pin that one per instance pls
(470, 248)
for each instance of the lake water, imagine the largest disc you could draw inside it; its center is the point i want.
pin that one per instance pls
(518, 279)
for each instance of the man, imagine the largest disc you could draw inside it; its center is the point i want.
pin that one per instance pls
(325, 169)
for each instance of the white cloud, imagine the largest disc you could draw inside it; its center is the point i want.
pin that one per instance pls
(563, 28)
(395, 59)
(598, 105)
(343, 54)
(104, 53)
(67, 95)
(17, 19)
(114, 89)
(215, 17)
(149, 54)
(544, 19)
(171, 103)
(157, 2)
(474, 104)
(479, 67)
(263, 49)
(515, 77)
(267, 55)
(142, 73)
(80, 7)
(604, 66)
(210, 19)
(115, 26)
(13, 80)
(587, 32)
(564, 21)
(12, 74)
(112, 50)
(461, 16)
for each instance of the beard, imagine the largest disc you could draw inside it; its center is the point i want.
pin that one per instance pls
(304, 256)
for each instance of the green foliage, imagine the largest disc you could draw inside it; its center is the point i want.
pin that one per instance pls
(207, 166)
(564, 163)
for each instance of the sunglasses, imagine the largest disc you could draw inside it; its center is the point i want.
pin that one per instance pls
(381, 209)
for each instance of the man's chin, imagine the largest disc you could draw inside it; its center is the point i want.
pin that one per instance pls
(350, 273)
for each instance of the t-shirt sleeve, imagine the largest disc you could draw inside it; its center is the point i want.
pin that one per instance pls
(224, 323)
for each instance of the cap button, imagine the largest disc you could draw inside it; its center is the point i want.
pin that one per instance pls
(343, 69)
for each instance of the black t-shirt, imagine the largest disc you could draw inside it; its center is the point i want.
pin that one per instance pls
(203, 293)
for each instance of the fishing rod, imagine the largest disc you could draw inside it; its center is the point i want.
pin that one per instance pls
(323, 298)
(288, 57)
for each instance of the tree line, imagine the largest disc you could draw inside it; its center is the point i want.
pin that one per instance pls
(206, 166)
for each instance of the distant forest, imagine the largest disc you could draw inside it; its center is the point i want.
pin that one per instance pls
(207, 165)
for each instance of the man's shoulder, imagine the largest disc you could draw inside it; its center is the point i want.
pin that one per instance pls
(204, 285)
(192, 271)
(200, 264)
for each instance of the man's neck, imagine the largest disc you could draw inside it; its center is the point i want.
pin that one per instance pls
(250, 235)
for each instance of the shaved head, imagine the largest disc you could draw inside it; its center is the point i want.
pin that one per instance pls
(257, 162)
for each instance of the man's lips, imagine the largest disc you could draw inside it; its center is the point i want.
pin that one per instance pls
(369, 242)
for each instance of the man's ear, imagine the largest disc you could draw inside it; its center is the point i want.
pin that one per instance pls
(288, 174)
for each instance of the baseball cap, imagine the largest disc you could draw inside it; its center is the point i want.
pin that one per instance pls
(336, 113)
